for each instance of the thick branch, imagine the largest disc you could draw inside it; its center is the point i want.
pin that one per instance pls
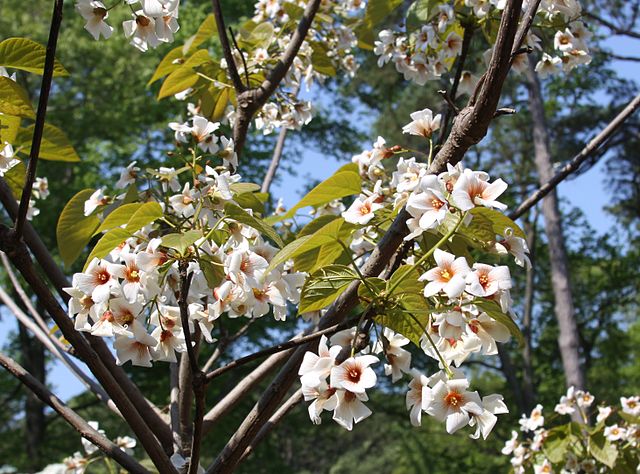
(38, 128)
(591, 147)
(71, 417)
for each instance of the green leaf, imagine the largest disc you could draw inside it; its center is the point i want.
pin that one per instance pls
(377, 284)
(237, 213)
(629, 418)
(498, 221)
(205, 32)
(345, 182)
(334, 237)
(144, 215)
(316, 224)
(107, 243)
(321, 61)
(376, 12)
(181, 242)
(212, 269)
(172, 61)
(241, 188)
(55, 145)
(250, 201)
(15, 179)
(14, 100)
(493, 311)
(118, 217)
(261, 36)
(324, 286)
(74, 229)
(420, 12)
(557, 443)
(25, 54)
(9, 127)
(293, 11)
(185, 76)
(602, 449)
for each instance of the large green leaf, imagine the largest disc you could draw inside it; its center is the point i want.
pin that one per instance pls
(345, 182)
(181, 241)
(172, 61)
(118, 217)
(333, 240)
(420, 12)
(185, 76)
(74, 229)
(9, 127)
(14, 100)
(498, 221)
(55, 145)
(25, 54)
(15, 179)
(212, 269)
(237, 213)
(602, 449)
(557, 443)
(493, 311)
(323, 287)
(107, 243)
(144, 215)
(376, 12)
(206, 31)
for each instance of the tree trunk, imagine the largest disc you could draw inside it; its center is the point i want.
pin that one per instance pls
(527, 355)
(568, 339)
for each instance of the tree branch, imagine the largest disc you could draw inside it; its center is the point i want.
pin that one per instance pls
(91, 355)
(469, 128)
(613, 28)
(71, 417)
(224, 343)
(38, 129)
(580, 158)
(226, 48)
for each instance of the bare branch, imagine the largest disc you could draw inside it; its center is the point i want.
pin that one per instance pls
(273, 421)
(224, 343)
(525, 26)
(71, 417)
(91, 355)
(591, 147)
(174, 410)
(38, 129)
(244, 61)
(613, 28)
(226, 48)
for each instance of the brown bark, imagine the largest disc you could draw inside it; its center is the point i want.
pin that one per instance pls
(568, 338)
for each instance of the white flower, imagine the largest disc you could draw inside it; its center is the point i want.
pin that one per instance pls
(362, 210)
(95, 13)
(136, 349)
(423, 123)
(315, 368)
(584, 399)
(182, 204)
(354, 374)
(126, 443)
(486, 280)
(169, 341)
(614, 433)
(119, 318)
(544, 468)
(97, 199)
(41, 188)
(452, 45)
(534, 421)
(603, 413)
(416, 397)
(567, 402)
(449, 401)
(142, 31)
(427, 204)
(324, 398)
(631, 405)
(88, 446)
(227, 153)
(511, 444)
(99, 280)
(7, 161)
(449, 275)
(564, 40)
(399, 359)
(493, 405)
(127, 176)
(548, 65)
(470, 190)
(350, 409)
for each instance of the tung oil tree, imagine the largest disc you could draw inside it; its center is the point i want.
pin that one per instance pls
(406, 245)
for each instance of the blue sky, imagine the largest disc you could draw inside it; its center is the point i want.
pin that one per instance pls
(588, 192)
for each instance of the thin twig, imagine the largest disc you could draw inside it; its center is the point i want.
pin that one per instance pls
(173, 406)
(278, 348)
(226, 47)
(71, 417)
(614, 29)
(591, 147)
(38, 128)
(244, 61)
(224, 343)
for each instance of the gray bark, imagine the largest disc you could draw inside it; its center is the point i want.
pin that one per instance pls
(568, 338)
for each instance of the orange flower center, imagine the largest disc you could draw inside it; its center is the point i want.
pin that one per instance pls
(453, 399)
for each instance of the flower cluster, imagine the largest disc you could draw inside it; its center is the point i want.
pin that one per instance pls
(468, 303)
(153, 21)
(429, 52)
(568, 450)
(133, 293)
(78, 463)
